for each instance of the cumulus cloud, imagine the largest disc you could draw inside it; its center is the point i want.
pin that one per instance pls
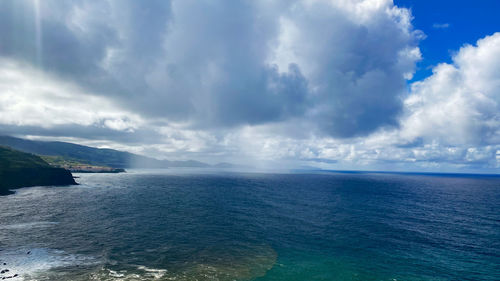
(355, 56)
(459, 103)
(450, 122)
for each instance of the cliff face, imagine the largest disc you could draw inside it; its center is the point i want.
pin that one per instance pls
(19, 169)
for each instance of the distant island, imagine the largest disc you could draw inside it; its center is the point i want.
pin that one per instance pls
(19, 169)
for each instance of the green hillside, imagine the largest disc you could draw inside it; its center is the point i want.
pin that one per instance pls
(19, 169)
(92, 155)
(13, 159)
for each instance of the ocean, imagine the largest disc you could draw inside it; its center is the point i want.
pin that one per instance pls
(183, 225)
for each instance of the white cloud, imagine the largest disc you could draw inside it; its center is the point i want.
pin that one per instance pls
(460, 103)
(441, 25)
(31, 98)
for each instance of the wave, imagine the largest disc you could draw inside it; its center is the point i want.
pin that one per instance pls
(34, 224)
(33, 264)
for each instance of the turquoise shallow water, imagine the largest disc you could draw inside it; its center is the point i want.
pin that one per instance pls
(164, 225)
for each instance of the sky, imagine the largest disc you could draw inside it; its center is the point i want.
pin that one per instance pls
(331, 84)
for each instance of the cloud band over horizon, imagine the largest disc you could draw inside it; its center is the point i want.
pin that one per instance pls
(309, 82)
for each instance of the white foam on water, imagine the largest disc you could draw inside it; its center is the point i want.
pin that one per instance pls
(142, 273)
(30, 225)
(27, 263)
(155, 273)
(51, 264)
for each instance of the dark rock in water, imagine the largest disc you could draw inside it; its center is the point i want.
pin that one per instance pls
(29, 252)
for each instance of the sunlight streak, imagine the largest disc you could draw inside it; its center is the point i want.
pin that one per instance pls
(38, 32)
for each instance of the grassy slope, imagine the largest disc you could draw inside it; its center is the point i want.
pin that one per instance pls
(12, 159)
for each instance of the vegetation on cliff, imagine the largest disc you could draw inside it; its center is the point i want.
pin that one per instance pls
(76, 166)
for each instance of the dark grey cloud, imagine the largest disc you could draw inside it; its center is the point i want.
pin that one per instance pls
(52, 45)
(220, 64)
(356, 63)
(214, 68)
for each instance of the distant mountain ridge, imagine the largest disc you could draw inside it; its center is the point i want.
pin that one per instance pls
(93, 156)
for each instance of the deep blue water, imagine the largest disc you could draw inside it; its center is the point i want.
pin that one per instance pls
(165, 225)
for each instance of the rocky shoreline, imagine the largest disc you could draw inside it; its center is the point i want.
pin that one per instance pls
(5, 271)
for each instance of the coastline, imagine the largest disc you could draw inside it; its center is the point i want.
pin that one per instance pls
(28, 177)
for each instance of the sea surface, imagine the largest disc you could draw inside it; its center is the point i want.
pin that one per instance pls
(182, 225)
